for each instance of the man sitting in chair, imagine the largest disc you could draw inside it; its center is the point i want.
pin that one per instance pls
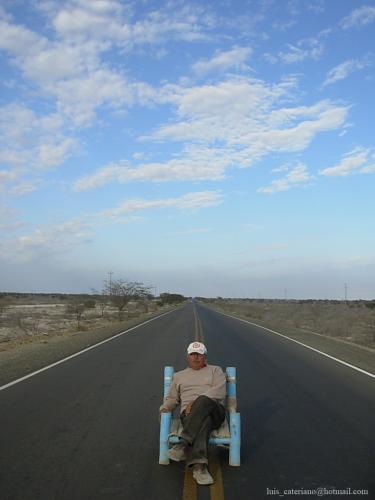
(200, 389)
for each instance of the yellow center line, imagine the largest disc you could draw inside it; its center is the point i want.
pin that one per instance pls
(198, 331)
(190, 486)
(216, 489)
(196, 326)
(190, 490)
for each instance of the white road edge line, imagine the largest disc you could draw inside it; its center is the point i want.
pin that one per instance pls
(80, 352)
(300, 343)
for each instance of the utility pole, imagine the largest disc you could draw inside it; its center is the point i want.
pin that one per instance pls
(110, 282)
(346, 291)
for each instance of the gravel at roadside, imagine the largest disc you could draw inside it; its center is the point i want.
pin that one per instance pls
(19, 358)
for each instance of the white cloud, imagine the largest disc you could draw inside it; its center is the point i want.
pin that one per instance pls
(223, 60)
(194, 164)
(114, 22)
(303, 49)
(234, 97)
(70, 67)
(189, 201)
(30, 144)
(272, 59)
(370, 168)
(317, 6)
(343, 70)
(280, 168)
(19, 40)
(59, 62)
(57, 239)
(67, 67)
(250, 108)
(11, 226)
(6, 176)
(101, 177)
(284, 26)
(352, 163)
(255, 124)
(70, 70)
(86, 19)
(52, 155)
(8, 219)
(311, 49)
(359, 17)
(23, 188)
(79, 98)
(47, 241)
(298, 177)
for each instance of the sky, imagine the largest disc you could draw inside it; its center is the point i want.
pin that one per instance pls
(209, 148)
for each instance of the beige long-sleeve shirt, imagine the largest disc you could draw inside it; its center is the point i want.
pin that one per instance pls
(188, 384)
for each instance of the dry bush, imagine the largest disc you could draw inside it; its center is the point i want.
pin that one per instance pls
(76, 309)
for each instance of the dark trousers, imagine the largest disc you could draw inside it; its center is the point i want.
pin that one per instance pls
(205, 416)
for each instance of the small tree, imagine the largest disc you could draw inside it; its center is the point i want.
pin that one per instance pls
(90, 303)
(102, 300)
(77, 308)
(102, 304)
(121, 292)
(171, 298)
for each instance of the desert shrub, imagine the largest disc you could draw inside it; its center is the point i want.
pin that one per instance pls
(171, 298)
(77, 309)
(89, 303)
(142, 306)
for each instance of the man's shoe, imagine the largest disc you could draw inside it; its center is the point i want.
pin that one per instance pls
(177, 453)
(201, 474)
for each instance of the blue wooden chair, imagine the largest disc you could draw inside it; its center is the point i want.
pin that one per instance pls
(228, 434)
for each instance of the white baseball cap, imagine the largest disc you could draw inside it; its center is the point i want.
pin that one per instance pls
(197, 347)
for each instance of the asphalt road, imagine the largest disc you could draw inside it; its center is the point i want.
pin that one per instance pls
(87, 429)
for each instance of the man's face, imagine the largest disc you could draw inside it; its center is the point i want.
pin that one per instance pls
(196, 361)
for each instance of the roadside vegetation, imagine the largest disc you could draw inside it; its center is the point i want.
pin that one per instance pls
(28, 316)
(349, 321)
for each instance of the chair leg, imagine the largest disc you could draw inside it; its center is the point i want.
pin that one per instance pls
(165, 425)
(235, 439)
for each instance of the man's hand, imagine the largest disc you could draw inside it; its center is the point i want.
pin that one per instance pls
(188, 408)
(163, 409)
